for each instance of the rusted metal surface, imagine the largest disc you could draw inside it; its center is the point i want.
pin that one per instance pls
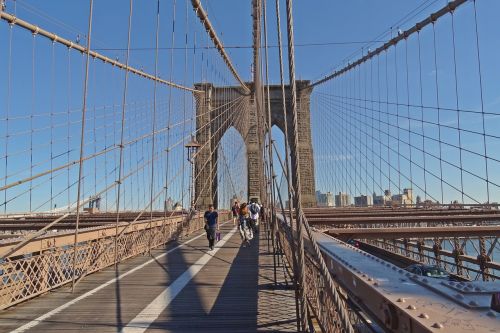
(402, 302)
(45, 263)
(461, 258)
(404, 232)
(406, 219)
(376, 212)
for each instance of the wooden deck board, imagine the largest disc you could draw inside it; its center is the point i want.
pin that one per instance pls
(233, 292)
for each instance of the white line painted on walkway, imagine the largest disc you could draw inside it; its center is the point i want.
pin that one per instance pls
(151, 312)
(49, 314)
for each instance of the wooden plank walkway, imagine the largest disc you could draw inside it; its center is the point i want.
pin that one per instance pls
(183, 287)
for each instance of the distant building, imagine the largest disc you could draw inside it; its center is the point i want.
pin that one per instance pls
(177, 207)
(169, 204)
(404, 199)
(363, 201)
(342, 200)
(382, 200)
(325, 199)
(233, 199)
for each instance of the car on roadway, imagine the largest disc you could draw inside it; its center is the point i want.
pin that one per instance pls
(429, 271)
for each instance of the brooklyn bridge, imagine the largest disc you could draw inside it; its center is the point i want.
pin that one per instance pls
(374, 161)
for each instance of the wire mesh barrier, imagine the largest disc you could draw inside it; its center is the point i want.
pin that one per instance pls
(471, 258)
(52, 261)
(320, 298)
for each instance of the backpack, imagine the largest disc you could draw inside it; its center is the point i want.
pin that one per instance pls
(254, 209)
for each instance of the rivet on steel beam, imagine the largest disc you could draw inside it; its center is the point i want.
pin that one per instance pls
(459, 296)
(370, 279)
(375, 284)
(437, 325)
(425, 281)
(411, 307)
(477, 289)
(401, 300)
(473, 303)
(424, 315)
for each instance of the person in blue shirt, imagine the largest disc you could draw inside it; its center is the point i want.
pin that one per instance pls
(211, 225)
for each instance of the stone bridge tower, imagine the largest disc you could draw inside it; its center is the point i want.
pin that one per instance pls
(211, 108)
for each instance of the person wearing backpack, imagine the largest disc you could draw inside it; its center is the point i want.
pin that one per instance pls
(254, 216)
(245, 232)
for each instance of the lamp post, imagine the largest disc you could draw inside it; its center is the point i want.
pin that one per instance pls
(192, 147)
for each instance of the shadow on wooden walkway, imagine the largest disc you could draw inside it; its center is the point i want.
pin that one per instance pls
(182, 287)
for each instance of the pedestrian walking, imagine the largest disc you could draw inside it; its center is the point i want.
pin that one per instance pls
(245, 231)
(236, 212)
(254, 209)
(211, 225)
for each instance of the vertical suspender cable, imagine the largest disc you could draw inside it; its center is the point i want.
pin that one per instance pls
(82, 140)
(9, 101)
(269, 128)
(170, 104)
(482, 103)
(33, 109)
(52, 101)
(422, 114)
(438, 112)
(124, 102)
(287, 163)
(184, 105)
(296, 165)
(457, 105)
(154, 127)
(68, 133)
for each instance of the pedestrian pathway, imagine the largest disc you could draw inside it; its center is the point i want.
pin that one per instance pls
(183, 287)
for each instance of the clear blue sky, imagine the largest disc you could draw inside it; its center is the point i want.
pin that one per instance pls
(340, 25)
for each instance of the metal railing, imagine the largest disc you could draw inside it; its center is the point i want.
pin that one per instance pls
(320, 298)
(468, 257)
(46, 263)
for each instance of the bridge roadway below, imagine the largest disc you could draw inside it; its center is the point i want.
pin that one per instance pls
(182, 287)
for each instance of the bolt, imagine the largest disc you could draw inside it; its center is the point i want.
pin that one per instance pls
(437, 325)
(411, 307)
(424, 315)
